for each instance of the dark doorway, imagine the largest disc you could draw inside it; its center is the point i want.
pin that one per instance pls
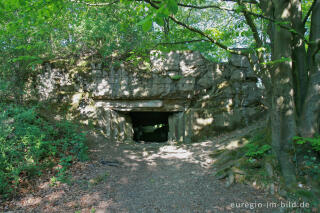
(150, 126)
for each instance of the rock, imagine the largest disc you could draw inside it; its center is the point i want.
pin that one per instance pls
(238, 171)
(192, 63)
(230, 179)
(252, 113)
(239, 60)
(283, 193)
(165, 61)
(212, 77)
(250, 75)
(238, 75)
(206, 80)
(269, 169)
(239, 178)
(227, 120)
(272, 188)
(251, 94)
(222, 176)
(237, 86)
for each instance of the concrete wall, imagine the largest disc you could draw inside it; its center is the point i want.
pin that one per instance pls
(208, 98)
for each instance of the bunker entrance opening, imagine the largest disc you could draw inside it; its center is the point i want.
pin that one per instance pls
(150, 126)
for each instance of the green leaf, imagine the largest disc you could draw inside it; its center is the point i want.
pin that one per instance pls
(22, 2)
(159, 21)
(293, 31)
(261, 49)
(176, 77)
(281, 60)
(163, 11)
(172, 6)
(146, 24)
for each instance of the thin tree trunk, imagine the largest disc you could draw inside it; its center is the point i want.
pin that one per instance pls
(300, 74)
(314, 39)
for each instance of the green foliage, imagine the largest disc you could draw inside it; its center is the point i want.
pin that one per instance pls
(146, 24)
(4, 90)
(261, 49)
(311, 161)
(314, 142)
(29, 144)
(256, 151)
(36, 31)
(256, 148)
(166, 8)
(176, 77)
(214, 33)
(172, 6)
(312, 165)
(281, 60)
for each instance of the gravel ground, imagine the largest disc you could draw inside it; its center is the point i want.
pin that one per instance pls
(145, 178)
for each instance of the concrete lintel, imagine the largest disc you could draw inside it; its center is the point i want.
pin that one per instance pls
(180, 109)
(127, 104)
(144, 105)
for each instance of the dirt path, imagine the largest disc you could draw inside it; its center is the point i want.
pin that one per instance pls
(145, 178)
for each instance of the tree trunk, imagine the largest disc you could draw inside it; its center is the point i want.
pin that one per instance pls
(300, 74)
(283, 123)
(311, 110)
(314, 47)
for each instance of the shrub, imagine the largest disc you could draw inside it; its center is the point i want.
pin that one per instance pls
(29, 144)
(314, 142)
(311, 159)
(256, 151)
(257, 146)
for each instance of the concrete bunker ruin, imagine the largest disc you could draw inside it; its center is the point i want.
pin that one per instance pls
(144, 120)
(179, 96)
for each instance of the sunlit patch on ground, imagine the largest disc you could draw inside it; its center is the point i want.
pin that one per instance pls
(154, 177)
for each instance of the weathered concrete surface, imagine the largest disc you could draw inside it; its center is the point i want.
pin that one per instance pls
(207, 97)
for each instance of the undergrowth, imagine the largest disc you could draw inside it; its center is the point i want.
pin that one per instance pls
(30, 145)
(307, 159)
(248, 161)
(309, 148)
(253, 162)
(257, 147)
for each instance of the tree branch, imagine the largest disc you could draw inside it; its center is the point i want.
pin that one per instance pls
(225, 9)
(95, 4)
(263, 67)
(251, 24)
(205, 7)
(200, 33)
(153, 4)
(246, 16)
(183, 42)
(317, 50)
(244, 1)
(208, 37)
(309, 12)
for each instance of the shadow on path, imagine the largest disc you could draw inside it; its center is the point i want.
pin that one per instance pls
(144, 178)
